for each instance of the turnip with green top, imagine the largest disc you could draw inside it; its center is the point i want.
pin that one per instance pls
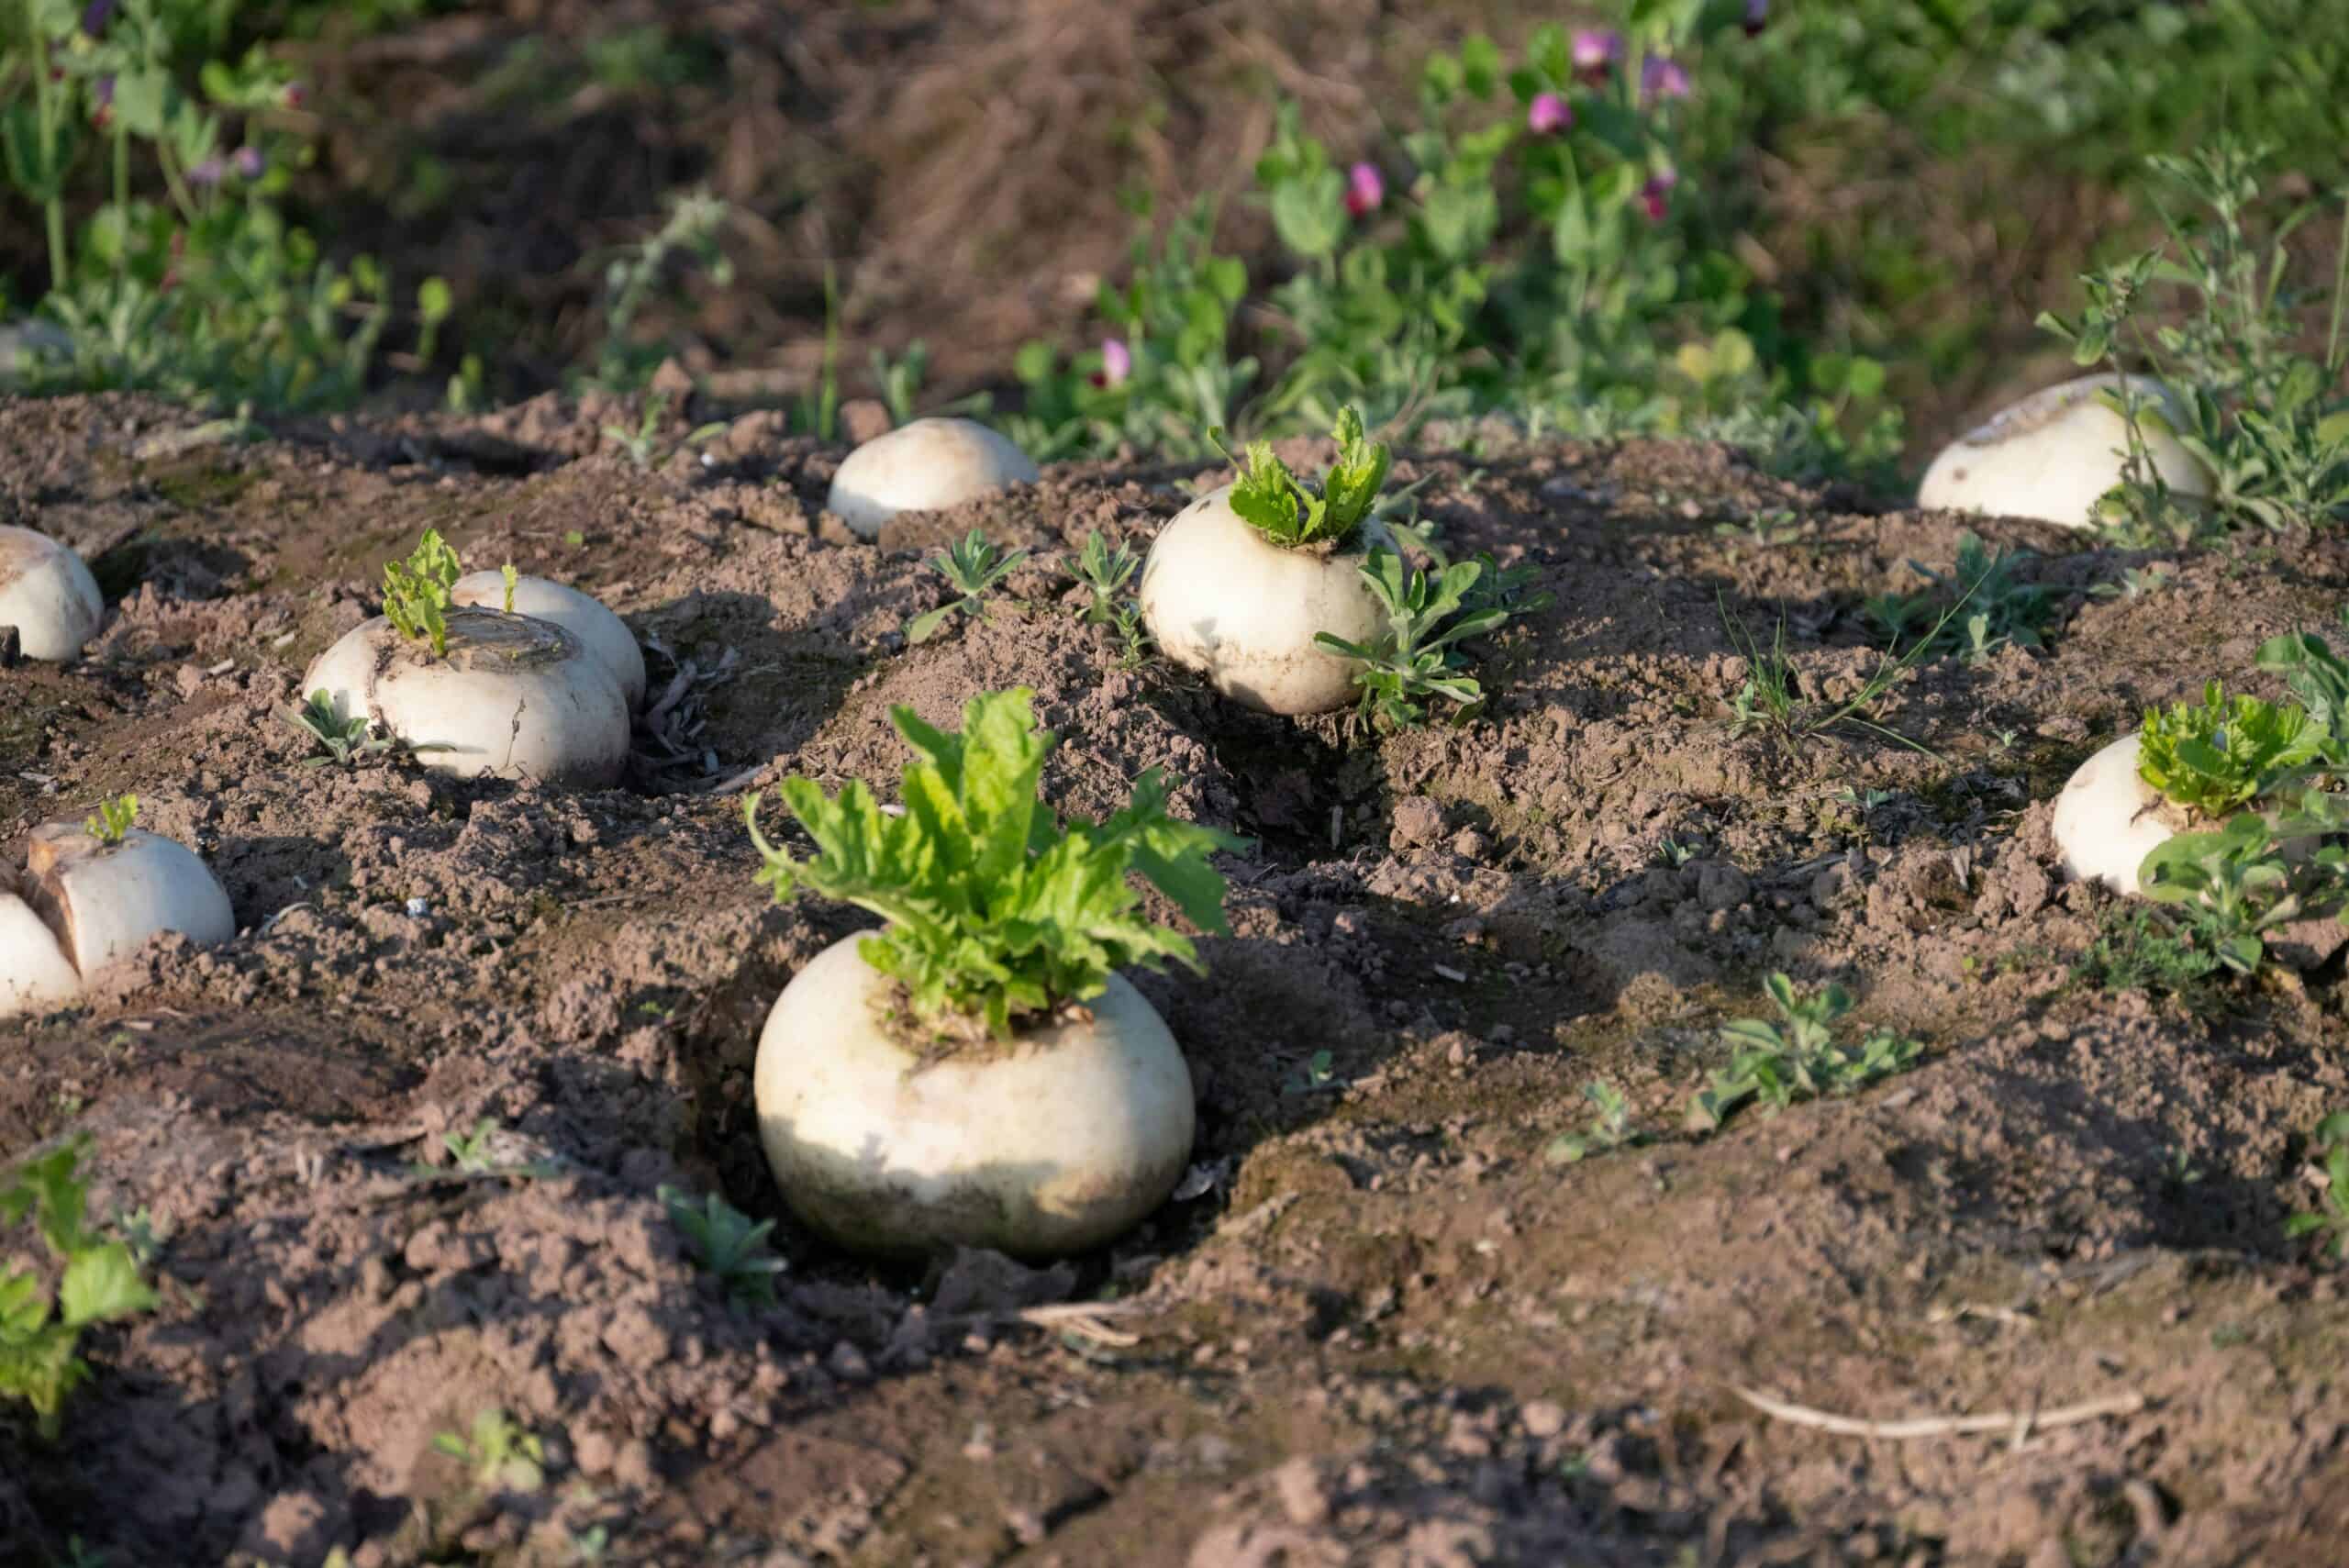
(2055, 454)
(94, 892)
(2189, 769)
(976, 1073)
(1240, 583)
(924, 466)
(47, 595)
(472, 690)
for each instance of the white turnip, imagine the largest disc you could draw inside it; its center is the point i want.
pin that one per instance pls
(605, 634)
(2054, 455)
(47, 595)
(511, 696)
(927, 465)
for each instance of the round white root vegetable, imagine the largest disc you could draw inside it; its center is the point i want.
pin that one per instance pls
(513, 696)
(2108, 819)
(35, 974)
(606, 635)
(2054, 454)
(1220, 598)
(47, 595)
(921, 467)
(1052, 1144)
(86, 903)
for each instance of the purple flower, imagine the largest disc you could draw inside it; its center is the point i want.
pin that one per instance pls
(1116, 364)
(1366, 191)
(250, 162)
(1596, 48)
(1757, 14)
(1653, 195)
(207, 173)
(1548, 113)
(1661, 76)
(96, 16)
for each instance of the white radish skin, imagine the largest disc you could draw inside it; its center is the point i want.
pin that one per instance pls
(2108, 819)
(1218, 598)
(47, 595)
(606, 635)
(924, 466)
(515, 696)
(35, 974)
(107, 899)
(1050, 1145)
(2054, 454)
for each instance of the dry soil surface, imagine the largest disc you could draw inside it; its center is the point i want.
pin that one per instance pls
(1382, 1324)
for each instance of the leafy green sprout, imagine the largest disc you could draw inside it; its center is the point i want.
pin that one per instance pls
(2221, 753)
(2232, 885)
(2331, 1218)
(1610, 1127)
(112, 819)
(510, 579)
(1104, 572)
(39, 1337)
(499, 1455)
(727, 1246)
(1416, 658)
(419, 592)
(1796, 1057)
(996, 911)
(341, 740)
(1292, 513)
(972, 566)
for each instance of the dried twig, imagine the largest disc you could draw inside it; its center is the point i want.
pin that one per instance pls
(2022, 1423)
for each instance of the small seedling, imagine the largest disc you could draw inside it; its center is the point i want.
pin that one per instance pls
(419, 592)
(1763, 530)
(1674, 854)
(1290, 513)
(1133, 640)
(972, 566)
(2219, 754)
(2136, 583)
(2141, 949)
(101, 1284)
(341, 742)
(1105, 573)
(1415, 659)
(643, 441)
(2331, 1220)
(112, 819)
(501, 1454)
(1610, 1129)
(1796, 1058)
(512, 577)
(727, 1246)
(2000, 611)
(2179, 1171)
(1319, 1072)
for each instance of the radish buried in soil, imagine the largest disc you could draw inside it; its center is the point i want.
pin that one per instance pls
(2054, 455)
(47, 595)
(92, 893)
(475, 691)
(927, 465)
(1240, 583)
(976, 1073)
